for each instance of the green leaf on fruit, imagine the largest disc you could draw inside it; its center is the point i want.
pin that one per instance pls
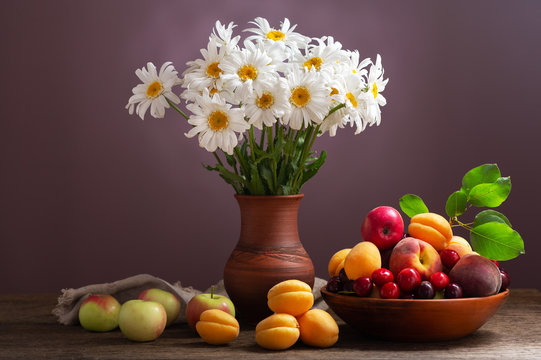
(490, 195)
(490, 216)
(496, 241)
(412, 205)
(487, 173)
(456, 204)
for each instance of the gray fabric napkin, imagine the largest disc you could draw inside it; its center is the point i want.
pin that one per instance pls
(67, 309)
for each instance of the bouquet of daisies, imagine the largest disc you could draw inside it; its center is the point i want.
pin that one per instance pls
(260, 107)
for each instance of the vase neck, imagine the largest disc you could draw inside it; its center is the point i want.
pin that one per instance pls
(269, 221)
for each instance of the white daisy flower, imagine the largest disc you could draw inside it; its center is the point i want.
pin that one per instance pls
(309, 99)
(267, 104)
(215, 123)
(204, 73)
(285, 36)
(338, 118)
(375, 85)
(223, 36)
(323, 57)
(246, 70)
(154, 91)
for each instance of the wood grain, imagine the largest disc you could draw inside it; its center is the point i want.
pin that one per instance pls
(28, 330)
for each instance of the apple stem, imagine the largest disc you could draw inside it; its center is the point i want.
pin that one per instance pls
(212, 292)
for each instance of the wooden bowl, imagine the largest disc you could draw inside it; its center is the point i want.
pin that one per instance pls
(414, 320)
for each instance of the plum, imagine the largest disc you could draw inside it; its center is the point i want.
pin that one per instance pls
(477, 275)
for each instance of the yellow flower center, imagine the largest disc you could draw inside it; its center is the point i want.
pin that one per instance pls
(375, 90)
(334, 91)
(276, 35)
(213, 70)
(218, 120)
(300, 96)
(213, 91)
(247, 72)
(154, 90)
(265, 101)
(352, 99)
(315, 62)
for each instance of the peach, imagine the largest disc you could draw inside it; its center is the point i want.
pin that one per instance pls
(477, 275)
(292, 297)
(337, 262)
(362, 260)
(277, 332)
(417, 254)
(460, 245)
(318, 328)
(432, 228)
(217, 327)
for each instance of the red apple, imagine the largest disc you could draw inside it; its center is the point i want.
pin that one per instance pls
(383, 226)
(417, 254)
(202, 302)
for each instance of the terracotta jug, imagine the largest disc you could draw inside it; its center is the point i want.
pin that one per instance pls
(268, 251)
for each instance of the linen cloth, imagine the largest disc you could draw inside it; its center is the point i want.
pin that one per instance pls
(69, 302)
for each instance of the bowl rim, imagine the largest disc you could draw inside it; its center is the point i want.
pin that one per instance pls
(359, 299)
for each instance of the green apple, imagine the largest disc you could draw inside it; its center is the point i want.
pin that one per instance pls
(99, 313)
(169, 301)
(202, 302)
(141, 320)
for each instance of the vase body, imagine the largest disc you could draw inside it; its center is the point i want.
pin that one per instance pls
(268, 251)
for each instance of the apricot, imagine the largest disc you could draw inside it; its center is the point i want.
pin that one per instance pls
(460, 245)
(318, 328)
(277, 332)
(337, 262)
(432, 228)
(362, 260)
(217, 327)
(292, 297)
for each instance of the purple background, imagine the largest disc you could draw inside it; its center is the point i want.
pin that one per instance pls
(90, 194)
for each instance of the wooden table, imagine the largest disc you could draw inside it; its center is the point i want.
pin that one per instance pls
(28, 330)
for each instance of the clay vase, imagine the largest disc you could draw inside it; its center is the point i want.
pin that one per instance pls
(268, 251)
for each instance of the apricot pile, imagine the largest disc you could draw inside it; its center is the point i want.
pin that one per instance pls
(291, 300)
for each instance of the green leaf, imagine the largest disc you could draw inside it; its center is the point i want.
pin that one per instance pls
(487, 173)
(490, 195)
(456, 204)
(313, 168)
(266, 175)
(490, 216)
(256, 185)
(412, 205)
(496, 241)
(231, 160)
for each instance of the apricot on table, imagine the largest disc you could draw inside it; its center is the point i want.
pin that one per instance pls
(318, 328)
(292, 297)
(432, 228)
(362, 260)
(337, 262)
(277, 332)
(217, 327)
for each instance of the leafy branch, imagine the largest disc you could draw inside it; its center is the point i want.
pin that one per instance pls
(491, 233)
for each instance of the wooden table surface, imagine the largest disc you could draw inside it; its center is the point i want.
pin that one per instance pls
(28, 330)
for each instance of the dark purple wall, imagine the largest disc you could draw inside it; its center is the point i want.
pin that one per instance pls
(90, 194)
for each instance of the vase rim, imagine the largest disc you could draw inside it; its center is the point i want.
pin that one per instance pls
(294, 196)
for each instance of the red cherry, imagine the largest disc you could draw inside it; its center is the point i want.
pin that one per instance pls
(362, 286)
(408, 279)
(449, 258)
(496, 263)
(382, 276)
(389, 291)
(439, 280)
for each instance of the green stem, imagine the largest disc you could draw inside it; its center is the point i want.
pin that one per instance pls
(336, 108)
(177, 109)
(252, 143)
(217, 158)
(244, 167)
